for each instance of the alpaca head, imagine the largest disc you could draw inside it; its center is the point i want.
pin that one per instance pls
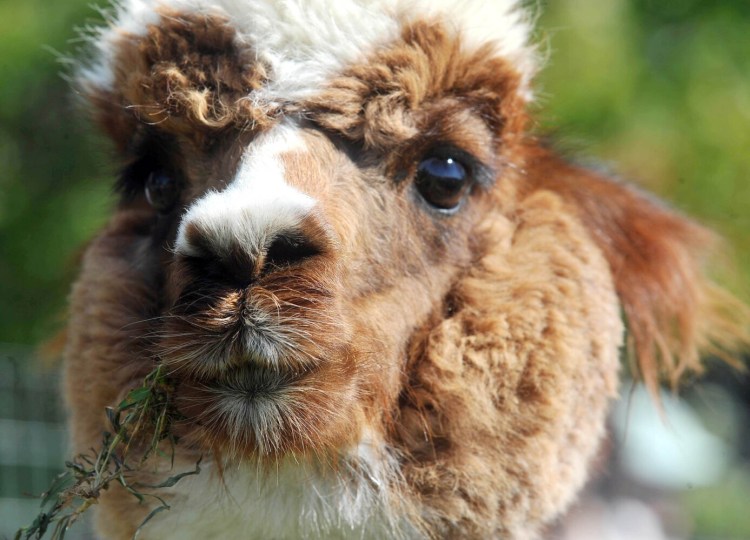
(337, 234)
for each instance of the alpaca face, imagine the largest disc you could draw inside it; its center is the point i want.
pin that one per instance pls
(289, 294)
(287, 289)
(336, 233)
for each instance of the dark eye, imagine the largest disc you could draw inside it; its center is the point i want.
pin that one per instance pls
(162, 191)
(442, 181)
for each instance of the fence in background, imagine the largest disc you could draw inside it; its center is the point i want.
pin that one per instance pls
(33, 445)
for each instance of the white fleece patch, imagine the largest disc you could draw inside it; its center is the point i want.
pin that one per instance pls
(291, 502)
(306, 42)
(256, 206)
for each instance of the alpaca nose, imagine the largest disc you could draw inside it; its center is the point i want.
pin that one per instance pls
(260, 222)
(239, 265)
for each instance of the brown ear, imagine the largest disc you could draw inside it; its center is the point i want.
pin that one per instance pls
(674, 313)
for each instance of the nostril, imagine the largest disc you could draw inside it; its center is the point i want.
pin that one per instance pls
(232, 272)
(236, 267)
(237, 257)
(288, 249)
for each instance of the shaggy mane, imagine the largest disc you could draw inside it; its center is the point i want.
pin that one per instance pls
(675, 314)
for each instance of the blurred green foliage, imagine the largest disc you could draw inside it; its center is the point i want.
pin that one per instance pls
(660, 91)
(53, 187)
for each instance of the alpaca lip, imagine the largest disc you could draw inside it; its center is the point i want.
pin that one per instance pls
(242, 388)
(253, 380)
(220, 355)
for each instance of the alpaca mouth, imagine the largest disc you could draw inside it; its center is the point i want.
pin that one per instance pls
(261, 372)
(254, 381)
(213, 340)
(241, 356)
(247, 374)
(250, 406)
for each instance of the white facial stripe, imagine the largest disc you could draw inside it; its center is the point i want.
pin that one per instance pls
(257, 205)
(306, 42)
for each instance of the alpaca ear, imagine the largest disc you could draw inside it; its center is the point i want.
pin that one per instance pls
(674, 313)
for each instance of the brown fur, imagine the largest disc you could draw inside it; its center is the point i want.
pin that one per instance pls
(481, 347)
(398, 95)
(658, 259)
(495, 388)
(187, 75)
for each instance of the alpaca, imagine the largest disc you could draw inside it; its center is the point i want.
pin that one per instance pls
(387, 309)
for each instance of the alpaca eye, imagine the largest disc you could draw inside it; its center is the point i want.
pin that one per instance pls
(162, 191)
(442, 181)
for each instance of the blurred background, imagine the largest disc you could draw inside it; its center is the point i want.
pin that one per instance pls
(659, 92)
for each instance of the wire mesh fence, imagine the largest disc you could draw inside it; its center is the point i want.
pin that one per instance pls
(32, 437)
